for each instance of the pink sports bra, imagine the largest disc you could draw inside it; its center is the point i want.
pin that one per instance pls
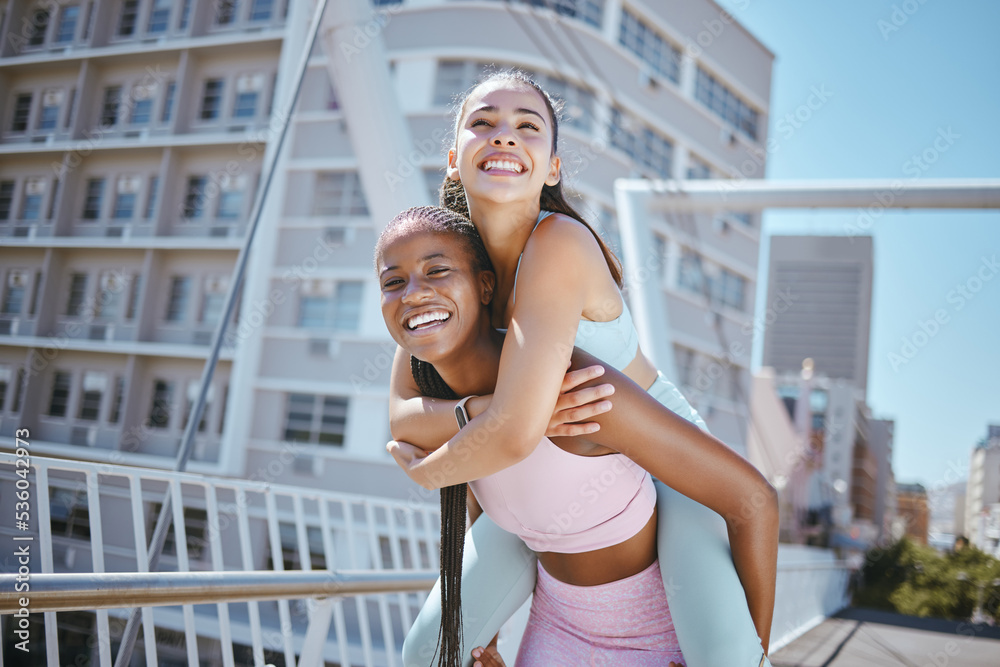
(563, 502)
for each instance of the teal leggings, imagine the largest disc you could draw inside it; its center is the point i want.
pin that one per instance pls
(706, 598)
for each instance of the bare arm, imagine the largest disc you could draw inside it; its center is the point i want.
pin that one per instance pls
(557, 271)
(705, 469)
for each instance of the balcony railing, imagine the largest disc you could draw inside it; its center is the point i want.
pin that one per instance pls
(239, 555)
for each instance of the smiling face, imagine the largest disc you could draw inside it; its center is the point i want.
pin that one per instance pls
(504, 145)
(434, 301)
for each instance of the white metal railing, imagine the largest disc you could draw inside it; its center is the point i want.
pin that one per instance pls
(86, 518)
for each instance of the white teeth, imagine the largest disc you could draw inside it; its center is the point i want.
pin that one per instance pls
(424, 318)
(503, 164)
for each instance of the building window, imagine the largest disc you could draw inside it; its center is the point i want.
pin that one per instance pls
(163, 398)
(117, 398)
(92, 202)
(77, 294)
(651, 151)
(192, 398)
(332, 307)
(142, 105)
(245, 105)
(94, 386)
(726, 104)
(13, 299)
(59, 400)
(685, 365)
(226, 11)
(48, 119)
(261, 10)
(698, 169)
(180, 296)
(231, 194)
(6, 199)
(108, 304)
(159, 17)
(37, 27)
(211, 99)
(168, 102)
(213, 300)
(316, 419)
(452, 78)
(339, 193)
(68, 514)
(22, 111)
(645, 41)
(31, 203)
(151, 194)
(185, 14)
(112, 102)
(194, 198)
(728, 289)
(126, 22)
(125, 198)
(689, 272)
(68, 19)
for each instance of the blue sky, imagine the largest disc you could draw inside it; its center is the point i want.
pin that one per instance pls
(900, 75)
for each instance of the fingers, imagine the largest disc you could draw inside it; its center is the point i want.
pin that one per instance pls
(581, 397)
(488, 657)
(576, 378)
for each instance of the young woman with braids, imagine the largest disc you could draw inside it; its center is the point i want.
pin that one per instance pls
(586, 504)
(557, 286)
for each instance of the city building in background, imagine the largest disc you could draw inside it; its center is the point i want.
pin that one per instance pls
(829, 279)
(837, 483)
(982, 498)
(912, 507)
(134, 134)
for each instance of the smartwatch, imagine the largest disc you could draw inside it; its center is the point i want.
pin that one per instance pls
(461, 414)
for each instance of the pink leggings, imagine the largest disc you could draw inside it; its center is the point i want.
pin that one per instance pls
(624, 623)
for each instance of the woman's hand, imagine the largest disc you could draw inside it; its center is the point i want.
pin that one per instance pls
(407, 456)
(489, 656)
(575, 405)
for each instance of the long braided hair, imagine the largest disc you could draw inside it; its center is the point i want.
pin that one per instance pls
(452, 193)
(438, 220)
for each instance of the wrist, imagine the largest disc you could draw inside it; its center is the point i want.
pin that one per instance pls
(477, 405)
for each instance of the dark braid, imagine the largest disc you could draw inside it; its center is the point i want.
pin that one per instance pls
(452, 193)
(453, 499)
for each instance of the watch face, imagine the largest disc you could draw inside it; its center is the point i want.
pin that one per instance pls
(461, 416)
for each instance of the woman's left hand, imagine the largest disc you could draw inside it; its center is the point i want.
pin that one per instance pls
(407, 456)
(488, 657)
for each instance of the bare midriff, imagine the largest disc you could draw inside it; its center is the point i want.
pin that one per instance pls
(602, 566)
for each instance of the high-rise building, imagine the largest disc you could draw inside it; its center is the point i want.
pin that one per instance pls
(828, 282)
(133, 136)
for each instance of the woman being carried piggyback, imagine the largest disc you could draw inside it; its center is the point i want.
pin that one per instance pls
(556, 287)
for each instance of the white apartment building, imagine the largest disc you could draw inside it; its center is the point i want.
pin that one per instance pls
(132, 141)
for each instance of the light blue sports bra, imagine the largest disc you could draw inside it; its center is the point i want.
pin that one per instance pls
(614, 342)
